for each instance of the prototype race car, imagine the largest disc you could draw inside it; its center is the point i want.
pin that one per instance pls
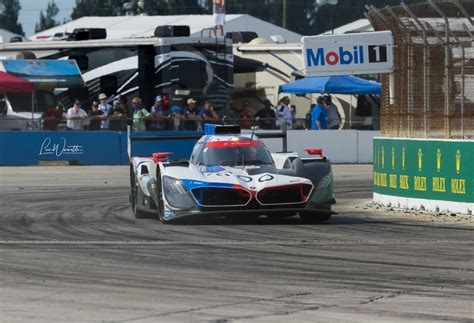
(233, 174)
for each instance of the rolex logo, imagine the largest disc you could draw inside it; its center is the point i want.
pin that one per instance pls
(393, 157)
(383, 157)
(403, 158)
(420, 159)
(438, 160)
(458, 161)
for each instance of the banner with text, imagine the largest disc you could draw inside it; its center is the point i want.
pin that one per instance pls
(361, 53)
(424, 169)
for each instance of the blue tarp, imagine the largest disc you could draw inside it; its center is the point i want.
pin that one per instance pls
(346, 84)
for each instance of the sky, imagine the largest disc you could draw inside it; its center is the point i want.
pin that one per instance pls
(30, 11)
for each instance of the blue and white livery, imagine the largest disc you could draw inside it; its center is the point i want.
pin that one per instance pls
(232, 174)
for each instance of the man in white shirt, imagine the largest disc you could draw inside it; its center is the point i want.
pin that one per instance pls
(75, 116)
(105, 107)
(283, 110)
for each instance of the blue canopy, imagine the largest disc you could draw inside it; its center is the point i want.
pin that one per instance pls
(345, 84)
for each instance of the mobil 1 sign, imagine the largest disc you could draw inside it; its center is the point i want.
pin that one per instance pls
(362, 53)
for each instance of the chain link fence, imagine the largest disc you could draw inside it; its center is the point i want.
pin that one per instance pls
(430, 93)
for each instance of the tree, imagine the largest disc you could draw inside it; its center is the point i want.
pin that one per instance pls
(97, 8)
(47, 21)
(9, 16)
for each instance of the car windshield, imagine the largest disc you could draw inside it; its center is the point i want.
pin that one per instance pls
(236, 156)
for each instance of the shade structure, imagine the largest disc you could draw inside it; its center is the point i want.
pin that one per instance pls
(10, 83)
(343, 84)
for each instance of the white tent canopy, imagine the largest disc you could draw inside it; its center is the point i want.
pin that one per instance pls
(144, 26)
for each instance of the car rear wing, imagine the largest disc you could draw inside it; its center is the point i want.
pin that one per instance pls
(221, 130)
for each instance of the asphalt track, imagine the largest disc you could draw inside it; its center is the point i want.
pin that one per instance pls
(71, 251)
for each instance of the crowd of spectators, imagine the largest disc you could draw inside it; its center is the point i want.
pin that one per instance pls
(186, 114)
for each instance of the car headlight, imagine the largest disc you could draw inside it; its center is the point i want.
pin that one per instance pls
(176, 194)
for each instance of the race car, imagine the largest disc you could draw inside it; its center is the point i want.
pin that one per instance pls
(233, 174)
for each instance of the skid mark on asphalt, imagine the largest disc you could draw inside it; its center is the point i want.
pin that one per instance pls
(226, 242)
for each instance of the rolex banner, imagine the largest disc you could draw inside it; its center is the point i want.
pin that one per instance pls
(424, 169)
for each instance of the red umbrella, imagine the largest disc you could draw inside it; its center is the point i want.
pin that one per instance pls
(10, 83)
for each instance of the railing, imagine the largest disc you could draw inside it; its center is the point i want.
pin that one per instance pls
(169, 124)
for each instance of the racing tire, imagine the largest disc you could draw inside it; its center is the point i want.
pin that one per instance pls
(308, 218)
(160, 209)
(136, 212)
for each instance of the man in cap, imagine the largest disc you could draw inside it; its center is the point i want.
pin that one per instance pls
(190, 116)
(140, 114)
(75, 116)
(159, 115)
(105, 107)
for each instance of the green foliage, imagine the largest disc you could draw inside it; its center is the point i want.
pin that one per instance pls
(97, 8)
(9, 16)
(47, 21)
(302, 16)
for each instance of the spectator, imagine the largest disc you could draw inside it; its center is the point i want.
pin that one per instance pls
(208, 114)
(266, 116)
(75, 116)
(105, 107)
(126, 107)
(218, 13)
(319, 115)
(52, 117)
(283, 111)
(95, 116)
(190, 116)
(117, 117)
(334, 118)
(139, 115)
(232, 113)
(176, 113)
(176, 116)
(159, 116)
(246, 121)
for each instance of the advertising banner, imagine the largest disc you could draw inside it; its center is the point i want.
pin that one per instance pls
(361, 53)
(45, 73)
(424, 169)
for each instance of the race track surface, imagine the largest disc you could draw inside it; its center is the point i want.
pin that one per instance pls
(71, 251)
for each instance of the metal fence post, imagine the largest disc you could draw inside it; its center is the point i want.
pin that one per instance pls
(462, 90)
(447, 83)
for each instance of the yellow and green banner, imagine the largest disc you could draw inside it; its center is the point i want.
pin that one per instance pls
(424, 169)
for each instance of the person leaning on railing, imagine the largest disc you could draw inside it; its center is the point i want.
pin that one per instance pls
(75, 116)
(117, 117)
(52, 117)
(96, 116)
(140, 114)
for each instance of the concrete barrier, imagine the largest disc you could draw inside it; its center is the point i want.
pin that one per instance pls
(110, 148)
(341, 146)
(424, 174)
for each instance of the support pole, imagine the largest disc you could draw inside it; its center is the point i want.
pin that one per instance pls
(447, 83)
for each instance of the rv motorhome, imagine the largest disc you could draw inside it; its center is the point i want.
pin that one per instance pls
(201, 67)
